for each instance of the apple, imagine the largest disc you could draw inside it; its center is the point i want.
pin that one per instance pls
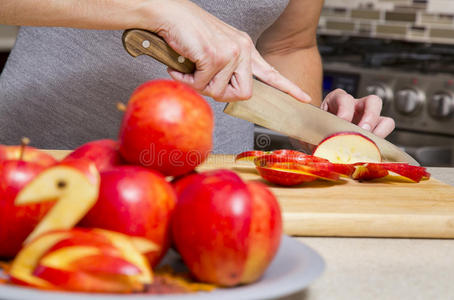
(75, 186)
(104, 153)
(348, 148)
(136, 201)
(26, 153)
(249, 155)
(87, 260)
(306, 165)
(285, 177)
(369, 171)
(227, 231)
(391, 171)
(17, 222)
(167, 126)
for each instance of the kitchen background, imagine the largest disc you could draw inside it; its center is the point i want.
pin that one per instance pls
(401, 50)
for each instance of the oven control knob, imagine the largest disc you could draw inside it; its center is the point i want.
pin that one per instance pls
(409, 101)
(441, 105)
(382, 91)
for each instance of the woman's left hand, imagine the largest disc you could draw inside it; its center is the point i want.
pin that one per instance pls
(364, 112)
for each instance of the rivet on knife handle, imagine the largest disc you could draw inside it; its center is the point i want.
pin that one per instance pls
(139, 41)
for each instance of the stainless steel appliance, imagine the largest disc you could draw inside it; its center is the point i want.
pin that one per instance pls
(415, 81)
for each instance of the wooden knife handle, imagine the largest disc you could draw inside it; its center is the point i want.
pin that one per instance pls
(139, 41)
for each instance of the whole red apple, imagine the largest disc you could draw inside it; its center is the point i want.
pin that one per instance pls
(167, 126)
(17, 222)
(226, 231)
(26, 153)
(136, 201)
(104, 153)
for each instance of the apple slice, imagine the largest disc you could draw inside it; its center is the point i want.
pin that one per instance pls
(404, 171)
(75, 183)
(27, 259)
(90, 260)
(369, 171)
(348, 148)
(285, 177)
(307, 164)
(249, 155)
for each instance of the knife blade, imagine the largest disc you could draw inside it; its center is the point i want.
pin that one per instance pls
(268, 107)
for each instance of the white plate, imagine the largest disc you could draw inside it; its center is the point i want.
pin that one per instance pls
(293, 269)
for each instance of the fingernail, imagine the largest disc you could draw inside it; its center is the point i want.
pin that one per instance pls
(366, 127)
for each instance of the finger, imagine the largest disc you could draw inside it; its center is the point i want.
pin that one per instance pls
(218, 85)
(272, 77)
(342, 105)
(368, 111)
(384, 127)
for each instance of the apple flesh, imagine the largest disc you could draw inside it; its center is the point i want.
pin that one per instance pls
(27, 154)
(167, 126)
(226, 231)
(16, 223)
(348, 148)
(104, 154)
(75, 186)
(82, 260)
(136, 201)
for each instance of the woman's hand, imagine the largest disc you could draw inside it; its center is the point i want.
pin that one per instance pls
(225, 58)
(365, 112)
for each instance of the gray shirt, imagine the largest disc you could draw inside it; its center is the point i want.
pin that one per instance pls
(60, 86)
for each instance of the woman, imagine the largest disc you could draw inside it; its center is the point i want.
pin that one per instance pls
(61, 82)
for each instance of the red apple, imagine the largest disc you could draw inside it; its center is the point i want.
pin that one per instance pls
(348, 148)
(28, 154)
(17, 222)
(136, 201)
(167, 126)
(104, 153)
(226, 231)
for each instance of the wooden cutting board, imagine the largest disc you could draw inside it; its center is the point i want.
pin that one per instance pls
(350, 208)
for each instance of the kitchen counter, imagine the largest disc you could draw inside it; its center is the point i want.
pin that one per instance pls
(380, 268)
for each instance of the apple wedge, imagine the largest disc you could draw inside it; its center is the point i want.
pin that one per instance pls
(75, 185)
(285, 177)
(369, 171)
(348, 148)
(249, 155)
(88, 260)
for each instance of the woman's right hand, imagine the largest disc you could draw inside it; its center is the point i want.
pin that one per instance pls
(225, 57)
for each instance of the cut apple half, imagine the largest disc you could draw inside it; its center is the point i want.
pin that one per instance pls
(348, 148)
(75, 186)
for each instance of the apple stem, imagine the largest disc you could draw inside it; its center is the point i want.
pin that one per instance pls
(121, 107)
(24, 142)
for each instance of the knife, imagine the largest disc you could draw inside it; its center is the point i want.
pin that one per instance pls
(268, 107)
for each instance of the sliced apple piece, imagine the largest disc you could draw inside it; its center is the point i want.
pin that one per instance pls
(348, 148)
(408, 172)
(308, 165)
(75, 183)
(249, 155)
(285, 177)
(90, 260)
(27, 259)
(369, 171)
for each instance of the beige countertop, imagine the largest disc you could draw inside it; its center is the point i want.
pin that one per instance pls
(380, 268)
